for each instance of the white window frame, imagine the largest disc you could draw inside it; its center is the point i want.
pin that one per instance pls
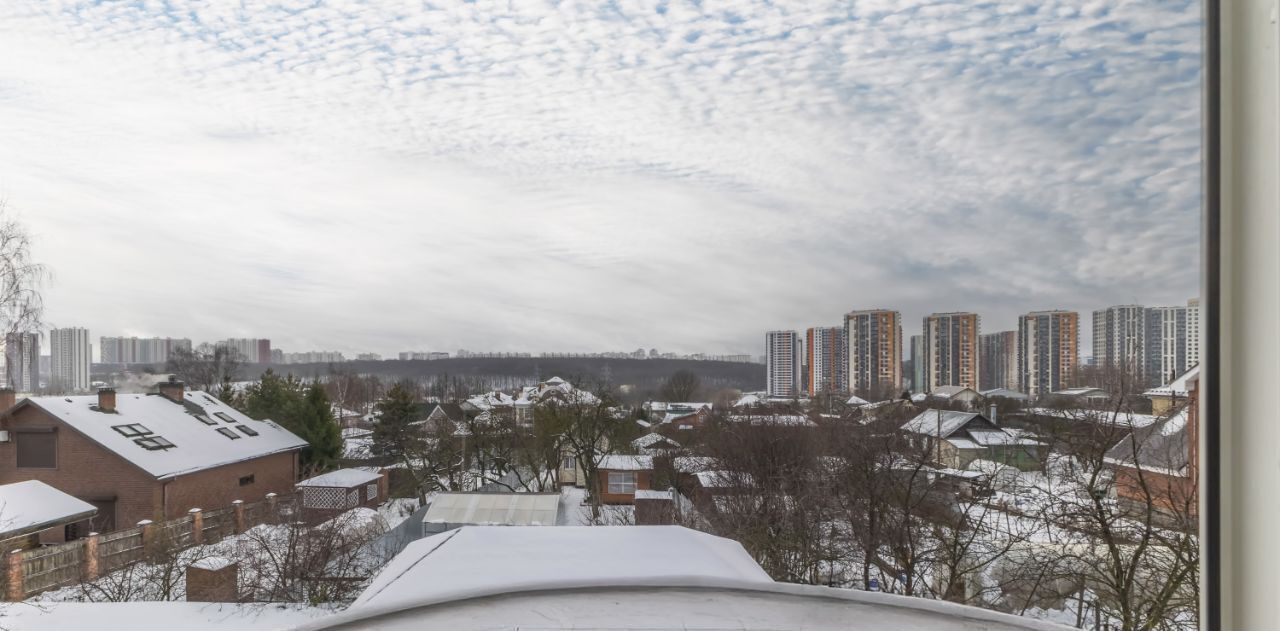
(622, 482)
(569, 463)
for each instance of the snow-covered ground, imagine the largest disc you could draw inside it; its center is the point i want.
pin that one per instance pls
(154, 616)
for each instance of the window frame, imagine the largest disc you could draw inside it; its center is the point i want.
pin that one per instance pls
(620, 486)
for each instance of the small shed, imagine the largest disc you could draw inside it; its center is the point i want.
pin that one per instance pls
(329, 494)
(34, 513)
(454, 510)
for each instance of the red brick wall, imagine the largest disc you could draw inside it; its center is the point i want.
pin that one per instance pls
(217, 488)
(87, 471)
(642, 482)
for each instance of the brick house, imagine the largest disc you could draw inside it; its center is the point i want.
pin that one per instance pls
(145, 456)
(1159, 463)
(619, 477)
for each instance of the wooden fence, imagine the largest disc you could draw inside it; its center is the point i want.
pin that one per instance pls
(35, 570)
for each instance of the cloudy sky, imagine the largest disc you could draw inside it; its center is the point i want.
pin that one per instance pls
(533, 176)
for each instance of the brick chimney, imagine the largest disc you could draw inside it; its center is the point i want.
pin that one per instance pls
(172, 389)
(8, 397)
(106, 400)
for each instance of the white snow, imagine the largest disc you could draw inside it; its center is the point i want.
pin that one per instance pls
(343, 478)
(32, 504)
(650, 494)
(155, 616)
(616, 462)
(496, 559)
(498, 509)
(198, 446)
(213, 563)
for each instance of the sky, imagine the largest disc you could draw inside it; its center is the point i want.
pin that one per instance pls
(589, 176)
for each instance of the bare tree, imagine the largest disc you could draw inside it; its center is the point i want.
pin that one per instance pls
(683, 385)
(587, 428)
(211, 368)
(21, 281)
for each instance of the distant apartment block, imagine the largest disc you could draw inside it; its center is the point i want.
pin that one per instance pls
(69, 359)
(139, 350)
(874, 338)
(824, 353)
(368, 357)
(314, 357)
(783, 355)
(998, 360)
(22, 361)
(250, 350)
(1048, 351)
(916, 353)
(1193, 332)
(1120, 340)
(1166, 344)
(951, 350)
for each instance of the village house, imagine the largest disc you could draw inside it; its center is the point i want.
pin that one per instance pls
(33, 513)
(957, 395)
(954, 439)
(145, 456)
(330, 494)
(655, 445)
(619, 477)
(1158, 464)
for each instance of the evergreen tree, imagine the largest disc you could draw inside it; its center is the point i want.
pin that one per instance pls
(320, 430)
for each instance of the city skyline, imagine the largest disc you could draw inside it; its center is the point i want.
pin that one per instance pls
(427, 180)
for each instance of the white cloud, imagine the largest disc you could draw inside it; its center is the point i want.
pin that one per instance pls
(584, 176)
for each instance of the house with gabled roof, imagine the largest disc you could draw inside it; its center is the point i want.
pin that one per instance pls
(954, 439)
(145, 456)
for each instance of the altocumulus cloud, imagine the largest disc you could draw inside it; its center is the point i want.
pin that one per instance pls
(588, 176)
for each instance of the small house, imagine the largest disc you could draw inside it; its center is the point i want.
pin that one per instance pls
(328, 494)
(33, 513)
(619, 477)
(955, 439)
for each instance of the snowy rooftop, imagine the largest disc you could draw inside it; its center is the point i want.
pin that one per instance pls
(652, 440)
(625, 463)
(343, 478)
(157, 616)
(1004, 393)
(32, 506)
(497, 509)
(166, 438)
(1179, 387)
(951, 391)
(931, 423)
(856, 400)
(772, 419)
(1103, 417)
(629, 577)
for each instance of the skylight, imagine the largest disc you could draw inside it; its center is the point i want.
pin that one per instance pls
(130, 430)
(228, 433)
(154, 443)
(226, 417)
(248, 431)
(206, 420)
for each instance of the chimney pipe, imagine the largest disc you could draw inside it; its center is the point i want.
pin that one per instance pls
(106, 400)
(991, 415)
(8, 398)
(172, 389)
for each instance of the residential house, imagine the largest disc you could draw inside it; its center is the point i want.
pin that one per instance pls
(33, 513)
(619, 477)
(957, 438)
(1004, 393)
(329, 494)
(1082, 395)
(145, 456)
(448, 511)
(957, 395)
(1173, 394)
(1158, 463)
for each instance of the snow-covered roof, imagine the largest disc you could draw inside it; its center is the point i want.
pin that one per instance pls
(615, 462)
(856, 401)
(749, 399)
(623, 577)
(505, 559)
(1087, 393)
(1179, 387)
(772, 419)
(1160, 447)
(1102, 417)
(160, 616)
(1004, 393)
(494, 509)
(951, 392)
(650, 440)
(931, 423)
(33, 505)
(1000, 437)
(723, 479)
(343, 478)
(677, 406)
(201, 432)
(650, 494)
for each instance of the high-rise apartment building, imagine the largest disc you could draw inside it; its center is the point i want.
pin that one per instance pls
(139, 350)
(998, 360)
(1048, 351)
(825, 361)
(1120, 340)
(917, 355)
(250, 350)
(1166, 344)
(22, 361)
(69, 359)
(951, 350)
(1193, 332)
(783, 356)
(874, 338)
